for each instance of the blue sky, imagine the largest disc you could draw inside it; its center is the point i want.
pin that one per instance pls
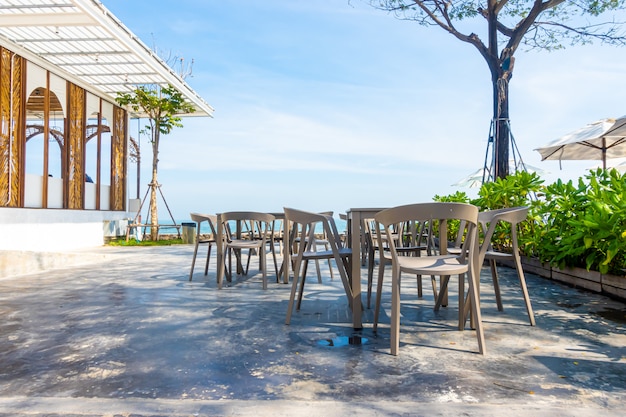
(331, 104)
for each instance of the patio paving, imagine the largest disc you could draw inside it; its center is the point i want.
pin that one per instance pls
(131, 336)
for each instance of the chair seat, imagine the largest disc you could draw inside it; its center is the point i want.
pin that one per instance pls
(324, 254)
(436, 265)
(245, 244)
(498, 255)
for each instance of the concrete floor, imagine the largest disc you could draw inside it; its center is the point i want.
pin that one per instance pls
(131, 336)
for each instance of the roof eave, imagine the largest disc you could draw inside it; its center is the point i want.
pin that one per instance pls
(92, 13)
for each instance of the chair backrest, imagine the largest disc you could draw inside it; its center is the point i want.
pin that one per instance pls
(489, 221)
(259, 224)
(199, 218)
(302, 224)
(372, 232)
(439, 212)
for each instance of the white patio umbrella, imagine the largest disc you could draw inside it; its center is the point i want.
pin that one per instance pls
(621, 167)
(475, 179)
(601, 140)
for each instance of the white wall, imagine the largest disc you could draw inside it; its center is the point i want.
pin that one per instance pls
(33, 191)
(49, 230)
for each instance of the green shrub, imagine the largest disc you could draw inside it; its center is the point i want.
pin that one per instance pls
(452, 226)
(585, 225)
(135, 242)
(576, 225)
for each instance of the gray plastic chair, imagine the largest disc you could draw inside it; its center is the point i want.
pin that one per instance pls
(199, 218)
(489, 220)
(254, 239)
(302, 231)
(444, 265)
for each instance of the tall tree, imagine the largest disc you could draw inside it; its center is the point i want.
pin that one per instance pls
(160, 105)
(536, 24)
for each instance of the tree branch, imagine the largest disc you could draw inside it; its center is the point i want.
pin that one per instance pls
(525, 24)
(448, 25)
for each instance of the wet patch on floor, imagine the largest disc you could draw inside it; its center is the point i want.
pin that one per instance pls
(616, 315)
(344, 341)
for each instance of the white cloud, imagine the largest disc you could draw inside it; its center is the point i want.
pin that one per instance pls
(360, 107)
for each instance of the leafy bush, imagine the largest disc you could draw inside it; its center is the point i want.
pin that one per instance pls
(585, 225)
(582, 225)
(135, 242)
(516, 190)
(521, 189)
(453, 225)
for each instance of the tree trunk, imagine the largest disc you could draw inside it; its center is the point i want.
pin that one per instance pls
(154, 214)
(501, 67)
(502, 127)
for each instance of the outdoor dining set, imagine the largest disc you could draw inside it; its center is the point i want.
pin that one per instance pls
(436, 239)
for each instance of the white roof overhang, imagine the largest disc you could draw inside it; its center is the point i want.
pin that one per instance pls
(89, 46)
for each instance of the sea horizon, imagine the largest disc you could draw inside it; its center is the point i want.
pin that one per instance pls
(205, 229)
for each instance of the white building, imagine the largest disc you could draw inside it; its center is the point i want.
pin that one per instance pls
(64, 142)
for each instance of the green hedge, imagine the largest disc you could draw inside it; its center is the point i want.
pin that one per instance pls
(580, 224)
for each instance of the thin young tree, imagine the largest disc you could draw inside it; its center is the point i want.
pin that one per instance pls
(509, 24)
(161, 107)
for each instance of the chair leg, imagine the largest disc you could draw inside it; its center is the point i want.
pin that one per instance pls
(294, 286)
(330, 265)
(230, 262)
(379, 293)
(443, 293)
(522, 282)
(275, 262)
(300, 293)
(330, 269)
(475, 305)
(319, 272)
(442, 299)
(305, 267)
(461, 301)
(229, 271)
(193, 261)
(496, 283)
(208, 257)
(433, 282)
(420, 290)
(245, 271)
(395, 311)
(370, 275)
(345, 273)
(263, 265)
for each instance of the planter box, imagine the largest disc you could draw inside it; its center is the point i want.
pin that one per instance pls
(579, 277)
(614, 285)
(535, 266)
(611, 285)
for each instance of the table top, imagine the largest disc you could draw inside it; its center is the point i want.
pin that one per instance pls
(367, 210)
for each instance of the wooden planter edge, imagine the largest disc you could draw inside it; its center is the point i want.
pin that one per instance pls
(611, 285)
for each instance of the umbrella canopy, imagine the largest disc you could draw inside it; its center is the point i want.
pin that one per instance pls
(601, 140)
(476, 178)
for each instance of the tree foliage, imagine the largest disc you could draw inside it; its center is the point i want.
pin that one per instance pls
(550, 24)
(162, 107)
(497, 28)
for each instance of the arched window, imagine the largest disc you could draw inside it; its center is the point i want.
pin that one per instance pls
(45, 123)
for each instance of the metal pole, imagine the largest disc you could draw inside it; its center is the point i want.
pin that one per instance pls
(138, 158)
